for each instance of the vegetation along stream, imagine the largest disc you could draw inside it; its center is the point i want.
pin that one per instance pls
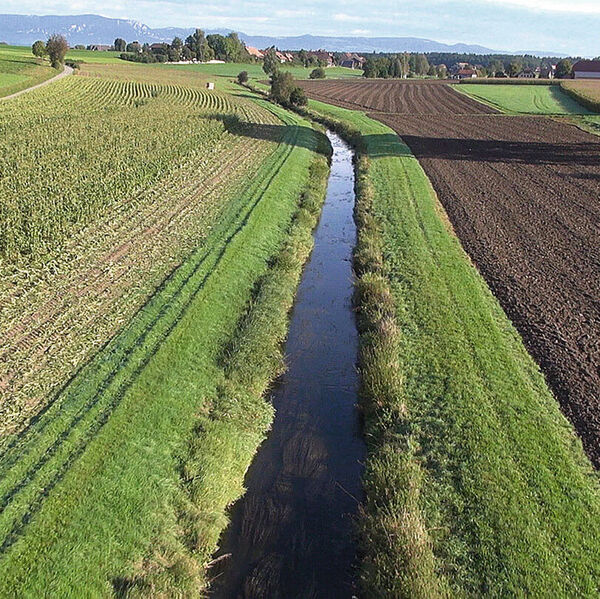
(292, 534)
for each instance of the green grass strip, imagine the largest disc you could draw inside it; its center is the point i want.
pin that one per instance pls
(476, 484)
(96, 480)
(524, 99)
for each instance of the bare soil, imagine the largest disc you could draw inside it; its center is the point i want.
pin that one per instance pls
(523, 195)
(395, 96)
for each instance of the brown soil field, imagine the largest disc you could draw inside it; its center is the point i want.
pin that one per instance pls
(395, 96)
(523, 195)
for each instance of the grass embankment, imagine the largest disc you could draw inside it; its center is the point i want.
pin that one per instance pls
(122, 482)
(19, 71)
(585, 92)
(88, 56)
(524, 99)
(475, 482)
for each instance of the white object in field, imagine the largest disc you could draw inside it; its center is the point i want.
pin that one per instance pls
(210, 85)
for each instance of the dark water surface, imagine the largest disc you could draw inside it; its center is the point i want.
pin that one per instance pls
(291, 535)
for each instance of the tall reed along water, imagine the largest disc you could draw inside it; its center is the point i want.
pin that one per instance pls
(293, 534)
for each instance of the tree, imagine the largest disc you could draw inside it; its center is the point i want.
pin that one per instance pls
(318, 73)
(38, 49)
(120, 45)
(56, 48)
(218, 45)
(514, 68)
(271, 62)
(298, 97)
(199, 46)
(134, 47)
(442, 71)
(564, 68)
(186, 53)
(421, 64)
(282, 86)
(177, 44)
(242, 77)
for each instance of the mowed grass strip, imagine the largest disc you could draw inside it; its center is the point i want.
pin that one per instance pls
(475, 482)
(96, 481)
(524, 99)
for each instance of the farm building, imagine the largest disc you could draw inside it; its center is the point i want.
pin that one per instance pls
(100, 47)
(325, 58)
(352, 61)
(586, 69)
(528, 73)
(254, 52)
(465, 74)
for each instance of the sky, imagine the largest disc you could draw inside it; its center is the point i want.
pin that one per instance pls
(565, 26)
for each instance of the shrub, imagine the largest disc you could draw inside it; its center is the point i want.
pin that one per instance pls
(242, 77)
(298, 97)
(318, 73)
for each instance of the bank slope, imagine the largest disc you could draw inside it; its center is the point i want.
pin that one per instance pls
(475, 482)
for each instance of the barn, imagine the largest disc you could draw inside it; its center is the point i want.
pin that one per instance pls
(586, 69)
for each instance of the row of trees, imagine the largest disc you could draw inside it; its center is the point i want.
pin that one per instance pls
(55, 49)
(196, 47)
(402, 66)
(435, 65)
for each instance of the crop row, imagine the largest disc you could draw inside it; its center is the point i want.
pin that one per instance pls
(69, 153)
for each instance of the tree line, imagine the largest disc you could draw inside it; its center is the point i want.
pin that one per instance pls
(436, 64)
(197, 46)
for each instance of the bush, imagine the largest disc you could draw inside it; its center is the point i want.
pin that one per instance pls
(298, 97)
(318, 73)
(242, 77)
(73, 64)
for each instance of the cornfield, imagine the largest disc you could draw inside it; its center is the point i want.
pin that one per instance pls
(72, 152)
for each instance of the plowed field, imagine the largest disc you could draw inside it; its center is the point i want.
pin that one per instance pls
(400, 97)
(523, 195)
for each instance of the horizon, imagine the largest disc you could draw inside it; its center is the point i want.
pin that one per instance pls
(541, 26)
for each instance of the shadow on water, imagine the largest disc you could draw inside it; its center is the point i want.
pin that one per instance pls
(292, 534)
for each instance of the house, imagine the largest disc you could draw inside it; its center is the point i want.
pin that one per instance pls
(100, 47)
(283, 57)
(255, 52)
(352, 61)
(465, 74)
(324, 57)
(158, 48)
(586, 69)
(528, 73)
(548, 71)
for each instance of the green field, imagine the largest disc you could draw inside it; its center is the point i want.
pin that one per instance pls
(476, 483)
(20, 69)
(524, 99)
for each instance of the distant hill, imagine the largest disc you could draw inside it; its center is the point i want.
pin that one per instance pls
(94, 29)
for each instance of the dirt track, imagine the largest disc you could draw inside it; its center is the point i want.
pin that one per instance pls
(394, 96)
(523, 194)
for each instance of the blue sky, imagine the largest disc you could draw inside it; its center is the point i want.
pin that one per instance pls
(568, 26)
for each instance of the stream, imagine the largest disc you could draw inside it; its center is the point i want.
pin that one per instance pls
(293, 534)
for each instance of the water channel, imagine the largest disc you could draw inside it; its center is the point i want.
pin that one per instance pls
(292, 534)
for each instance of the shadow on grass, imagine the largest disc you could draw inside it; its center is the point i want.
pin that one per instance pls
(387, 144)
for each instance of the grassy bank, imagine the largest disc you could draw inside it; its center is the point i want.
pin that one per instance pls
(524, 99)
(475, 482)
(20, 70)
(120, 485)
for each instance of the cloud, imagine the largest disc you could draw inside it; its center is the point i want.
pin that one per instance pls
(585, 7)
(344, 18)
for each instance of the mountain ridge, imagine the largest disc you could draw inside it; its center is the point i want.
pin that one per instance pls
(94, 29)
